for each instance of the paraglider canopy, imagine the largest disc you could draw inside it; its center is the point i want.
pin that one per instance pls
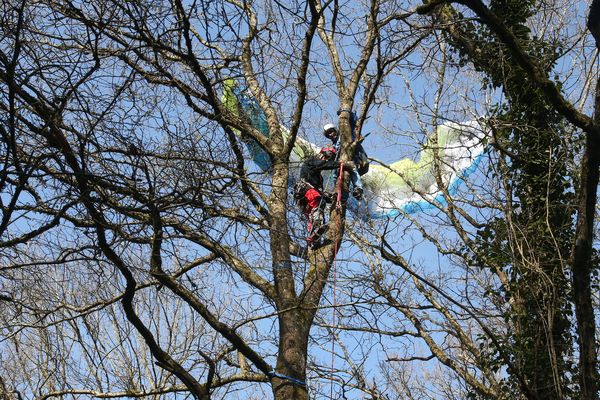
(449, 155)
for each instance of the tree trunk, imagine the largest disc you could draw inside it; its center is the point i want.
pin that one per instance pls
(582, 262)
(3, 392)
(291, 360)
(593, 22)
(290, 371)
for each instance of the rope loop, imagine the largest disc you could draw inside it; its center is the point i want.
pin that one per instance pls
(274, 374)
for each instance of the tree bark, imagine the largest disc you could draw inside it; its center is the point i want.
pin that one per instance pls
(582, 261)
(593, 22)
(582, 253)
(3, 391)
(291, 360)
(293, 331)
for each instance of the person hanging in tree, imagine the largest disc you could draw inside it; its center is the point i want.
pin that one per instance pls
(309, 193)
(359, 157)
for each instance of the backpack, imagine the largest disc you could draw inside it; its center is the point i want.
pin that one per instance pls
(300, 189)
(361, 160)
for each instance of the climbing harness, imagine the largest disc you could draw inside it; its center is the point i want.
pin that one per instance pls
(284, 265)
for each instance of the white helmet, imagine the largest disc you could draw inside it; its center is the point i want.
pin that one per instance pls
(328, 127)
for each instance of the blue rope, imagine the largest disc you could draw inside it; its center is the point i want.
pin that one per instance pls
(283, 265)
(274, 374)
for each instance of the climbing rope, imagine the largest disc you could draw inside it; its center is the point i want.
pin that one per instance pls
(333, 324)
(334, 285)
(339, 186)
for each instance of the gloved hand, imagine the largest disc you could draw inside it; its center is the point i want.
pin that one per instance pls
(327, 197)
(349, 166)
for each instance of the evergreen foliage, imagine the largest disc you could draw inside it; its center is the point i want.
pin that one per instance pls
(532, 242)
